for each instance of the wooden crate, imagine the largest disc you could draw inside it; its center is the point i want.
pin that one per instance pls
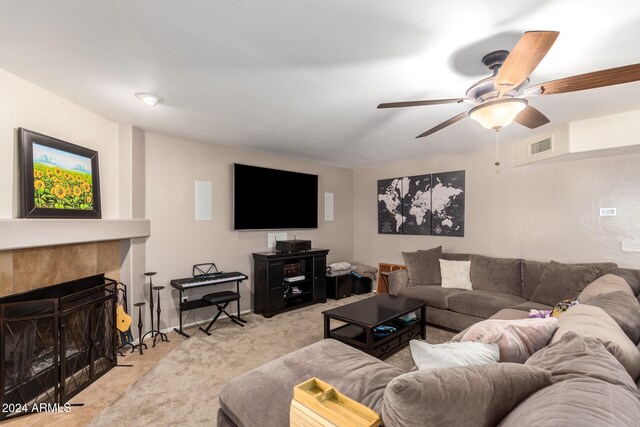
(316, 403)
(382, 283)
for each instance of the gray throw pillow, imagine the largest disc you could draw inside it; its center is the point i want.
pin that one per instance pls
(562, 281)
(577, 402)
(423, 266)
(628, 276)
(477, 395)
(577, 356)
(622, 308)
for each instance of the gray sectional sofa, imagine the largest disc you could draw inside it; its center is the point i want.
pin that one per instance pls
(588, 374)
(498, 283)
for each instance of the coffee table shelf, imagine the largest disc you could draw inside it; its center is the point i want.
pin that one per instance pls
(363, 316)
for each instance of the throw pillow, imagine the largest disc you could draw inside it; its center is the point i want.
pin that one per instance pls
(562, 281)
(456, 274)
(577, 402)
(478, 395)
(622, 308)
(591, 321)
(629, 277)
(575, 356)
(517, 339)
(563, 306)
(604, 285)
(423, 266)
(447, 355)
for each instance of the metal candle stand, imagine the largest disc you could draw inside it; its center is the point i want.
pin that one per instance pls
(154, 332)
(140, 341)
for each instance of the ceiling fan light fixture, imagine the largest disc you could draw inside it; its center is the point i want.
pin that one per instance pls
(498, 114)
(150, 99)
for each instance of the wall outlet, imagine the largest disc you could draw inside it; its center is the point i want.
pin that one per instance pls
(185, 299)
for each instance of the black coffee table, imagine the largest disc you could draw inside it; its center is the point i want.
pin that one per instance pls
(362, 316)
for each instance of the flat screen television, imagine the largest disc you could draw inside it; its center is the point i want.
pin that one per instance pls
(272, 199)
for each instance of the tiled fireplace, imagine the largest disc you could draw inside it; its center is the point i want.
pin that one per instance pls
(55, 341)
(57, 320)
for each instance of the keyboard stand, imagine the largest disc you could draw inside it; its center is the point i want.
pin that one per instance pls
(199, 303)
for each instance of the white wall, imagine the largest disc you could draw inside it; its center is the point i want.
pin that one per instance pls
(538, 212)
(178, 241)
(23, 104)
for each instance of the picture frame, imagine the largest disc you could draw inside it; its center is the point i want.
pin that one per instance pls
(58, 179)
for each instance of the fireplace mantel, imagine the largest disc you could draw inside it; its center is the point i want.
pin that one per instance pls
(31, 233)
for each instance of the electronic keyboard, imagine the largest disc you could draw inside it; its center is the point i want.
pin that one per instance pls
(207, 279)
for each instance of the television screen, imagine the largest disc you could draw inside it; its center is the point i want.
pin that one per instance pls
(271, 199)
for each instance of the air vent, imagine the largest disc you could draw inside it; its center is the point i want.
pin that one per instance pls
(540, 147)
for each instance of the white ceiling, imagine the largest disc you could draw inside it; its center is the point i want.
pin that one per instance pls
(304, 77)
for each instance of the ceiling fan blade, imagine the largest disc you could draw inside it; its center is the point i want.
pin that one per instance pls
(531, 118)
(418, 103)
(443, 125)
(609, 77)
(524, 58)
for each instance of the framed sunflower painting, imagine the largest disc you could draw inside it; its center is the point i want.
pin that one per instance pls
(58, 179)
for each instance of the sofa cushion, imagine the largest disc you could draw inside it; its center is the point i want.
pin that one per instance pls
(532, 305)
(456, 257)
(622, 308)
(456, 274)
(629, 277)
(478, 395)
(517, 339)
(423, 266)
(450, 354)
(510, 314)
(496, 274)
(577, 402)
(575, 356)
(434, 295)
(562, 281)
(265, 393)
(532, 270)
(604, 285)
(481, 303)
(591, 321)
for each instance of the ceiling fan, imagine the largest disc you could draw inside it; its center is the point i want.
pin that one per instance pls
(500, 99)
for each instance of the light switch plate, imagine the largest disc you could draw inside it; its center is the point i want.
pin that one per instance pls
(631, 245)
(608, 211)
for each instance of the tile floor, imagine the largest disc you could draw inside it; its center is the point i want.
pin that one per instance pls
(105, 390)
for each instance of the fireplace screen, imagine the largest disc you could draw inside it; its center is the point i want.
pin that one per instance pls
(52, 348)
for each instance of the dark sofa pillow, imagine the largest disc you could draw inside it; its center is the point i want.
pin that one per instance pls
(532, 270)
(497, 274)
(562, 281)
(628, 276)
(423, 266)
(622, 308)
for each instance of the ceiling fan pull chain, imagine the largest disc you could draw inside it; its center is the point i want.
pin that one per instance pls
(497, 163)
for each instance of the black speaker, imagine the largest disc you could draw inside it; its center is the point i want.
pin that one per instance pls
(360, 285)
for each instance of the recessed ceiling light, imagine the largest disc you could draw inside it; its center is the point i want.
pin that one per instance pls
(149, 98)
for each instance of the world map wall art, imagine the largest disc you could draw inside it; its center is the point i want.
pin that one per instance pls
(430, 204)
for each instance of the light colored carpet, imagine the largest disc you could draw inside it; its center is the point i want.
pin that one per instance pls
(183, 388)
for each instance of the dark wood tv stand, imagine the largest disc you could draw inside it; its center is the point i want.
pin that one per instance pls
(273, 293)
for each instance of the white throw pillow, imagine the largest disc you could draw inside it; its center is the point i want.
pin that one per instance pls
(456, 274)
(448, 355)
